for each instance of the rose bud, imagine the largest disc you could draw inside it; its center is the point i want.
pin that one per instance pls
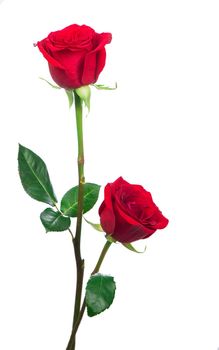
(128, 212)
(76, 55)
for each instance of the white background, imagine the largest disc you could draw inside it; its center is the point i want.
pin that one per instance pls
(158, 129)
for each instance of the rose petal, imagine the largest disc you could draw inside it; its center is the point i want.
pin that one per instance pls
(89, 70)
(95, 60)
(101, 60)
(118, 183)
(47, 56)
(107, 217)
(127, 229)
(158, 221)
(73, 63)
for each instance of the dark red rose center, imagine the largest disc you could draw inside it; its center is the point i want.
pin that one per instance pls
(73, 38)
(135, 206)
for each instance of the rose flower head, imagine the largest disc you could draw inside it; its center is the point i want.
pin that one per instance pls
(76, 55)
(128, 212)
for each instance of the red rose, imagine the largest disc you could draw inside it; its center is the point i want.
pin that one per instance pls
(128, 212)
(76, 55)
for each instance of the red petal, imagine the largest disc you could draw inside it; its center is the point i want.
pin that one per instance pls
(127, 229)
(95, 60)
(47, 56)
(107, 217)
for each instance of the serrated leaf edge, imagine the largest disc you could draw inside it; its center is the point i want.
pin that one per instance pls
(100, 274)
(52, 200)
(60, 215)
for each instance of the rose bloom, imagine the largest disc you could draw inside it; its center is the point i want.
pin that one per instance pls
(128, 212)
(76, 55)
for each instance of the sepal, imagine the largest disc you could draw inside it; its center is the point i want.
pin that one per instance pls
(97, 227)
(132, 248)
(84, 92)
(104, 87)
(70, 96)
(52, 85)
(110, 239)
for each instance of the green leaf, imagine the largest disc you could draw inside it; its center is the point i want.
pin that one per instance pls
(84, 93)
(70, 95)
(97, 227)
(100, 292)
(69, 203)
(104, 87)
(130, 247)
(34, 176)
(54, 220)
(52, 85)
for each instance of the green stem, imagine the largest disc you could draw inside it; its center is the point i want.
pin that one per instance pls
(81, 313)
(77, 239)
(81, 181)
(101, 257)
